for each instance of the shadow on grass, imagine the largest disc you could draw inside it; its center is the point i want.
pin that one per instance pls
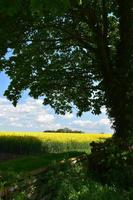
(23, 145)
(30, 145)
(21, 166)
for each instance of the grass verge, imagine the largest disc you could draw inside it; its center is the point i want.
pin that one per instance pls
(11, 168)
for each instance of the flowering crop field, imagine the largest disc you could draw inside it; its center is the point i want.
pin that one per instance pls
(60, 137)
(36, 149)
(39, 142)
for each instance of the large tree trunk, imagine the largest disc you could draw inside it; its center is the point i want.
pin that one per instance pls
(121, 94)
(118, 79)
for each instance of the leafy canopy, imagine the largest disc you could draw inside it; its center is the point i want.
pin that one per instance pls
(62, 50)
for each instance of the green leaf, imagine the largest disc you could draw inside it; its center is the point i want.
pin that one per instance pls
(10, 8)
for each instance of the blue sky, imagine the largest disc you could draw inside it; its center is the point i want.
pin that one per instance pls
(31, 115)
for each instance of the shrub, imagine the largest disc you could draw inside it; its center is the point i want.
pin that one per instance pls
(73, 183)
(112, 162)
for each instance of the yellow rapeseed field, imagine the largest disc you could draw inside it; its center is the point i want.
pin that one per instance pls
(60, 137)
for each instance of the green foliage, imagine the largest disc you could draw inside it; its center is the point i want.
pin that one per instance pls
(68, 182)
(53, 74)
(38, 6)
(19, 167)
(112, 161)
(59, 6)
(63, 130)
(71, 53)
(10, 7)
(73, 183)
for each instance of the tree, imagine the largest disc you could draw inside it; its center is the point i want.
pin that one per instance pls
(67, 130)
(71, 52)
(63, 130)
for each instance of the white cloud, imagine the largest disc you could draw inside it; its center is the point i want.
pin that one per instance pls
(82, 123)
(67, 116)
(102, 125)
(103, 110)
(27, 116)
(47, 118)
(13, 119)
(14, 124)
(31, 115)
(104, 121)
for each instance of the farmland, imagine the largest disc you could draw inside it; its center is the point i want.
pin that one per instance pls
(60, 137)
(31, 150)
(35, 151)
(37, 142)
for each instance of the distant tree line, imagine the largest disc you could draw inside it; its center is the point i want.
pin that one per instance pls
(64, 130)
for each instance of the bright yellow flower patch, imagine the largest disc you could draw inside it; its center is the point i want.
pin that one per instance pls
(60, 137)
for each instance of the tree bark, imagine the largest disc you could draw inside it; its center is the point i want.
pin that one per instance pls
(120, 93)
(118, 79)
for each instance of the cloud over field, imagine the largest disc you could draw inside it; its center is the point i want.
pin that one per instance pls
(31, 115)
(101, 125)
